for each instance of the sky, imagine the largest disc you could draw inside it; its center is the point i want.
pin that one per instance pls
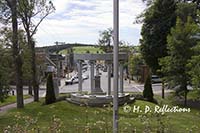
(80, 21)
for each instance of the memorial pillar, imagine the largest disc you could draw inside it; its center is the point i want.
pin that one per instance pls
(80, 76)
(92, 75)
(121, 68)
(109, 78)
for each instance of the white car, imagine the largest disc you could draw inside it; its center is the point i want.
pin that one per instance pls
(74, 79)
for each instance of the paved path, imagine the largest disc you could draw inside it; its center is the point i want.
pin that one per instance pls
(42, 93)
(14, 105)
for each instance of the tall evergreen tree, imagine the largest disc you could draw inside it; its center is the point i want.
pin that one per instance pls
(148, 91)
(194, 67)
(179, 46)
(50, 93)
(158, 20)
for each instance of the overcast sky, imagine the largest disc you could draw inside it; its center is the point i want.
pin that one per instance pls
(81, 20)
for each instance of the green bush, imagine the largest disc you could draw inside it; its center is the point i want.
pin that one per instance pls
(148, 92)
(50, 94)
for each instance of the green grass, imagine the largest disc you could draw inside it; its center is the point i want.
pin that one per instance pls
(97, 120)
(11, 99)
(83, 50)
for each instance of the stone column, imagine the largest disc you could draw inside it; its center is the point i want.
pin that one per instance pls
(80, 76)
(92, 75)
(121, 91)
(97, 70)
(109, 78)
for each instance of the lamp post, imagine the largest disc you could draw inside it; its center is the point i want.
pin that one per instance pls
(115, 59)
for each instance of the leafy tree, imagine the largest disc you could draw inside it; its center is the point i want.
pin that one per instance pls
(148, 92)
(197, 2)
(186, 9)
(135, 61)
(105, 40)
(11, 10)
(5, 70)
(159, 17)
(50, 93)
(27, 10)
(26, 56)
(179, 46)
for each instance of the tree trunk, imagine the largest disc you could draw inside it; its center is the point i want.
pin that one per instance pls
(185, 95)
(31, 45)
(30, 89)
(17, 56)
(184, 89)
(163, 89)
(34, 73)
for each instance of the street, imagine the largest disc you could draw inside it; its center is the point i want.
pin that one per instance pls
(128, 87)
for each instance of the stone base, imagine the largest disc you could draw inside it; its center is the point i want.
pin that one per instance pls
(98, 91)
(98, 100)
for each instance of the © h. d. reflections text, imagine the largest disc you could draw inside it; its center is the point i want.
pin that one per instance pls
(156, 109)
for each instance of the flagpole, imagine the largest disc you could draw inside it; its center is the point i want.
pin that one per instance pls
(115, 59)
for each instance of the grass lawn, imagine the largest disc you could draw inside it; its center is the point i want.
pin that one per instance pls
(11, 99)
(90, 49)
(83, 50)
(70, 118)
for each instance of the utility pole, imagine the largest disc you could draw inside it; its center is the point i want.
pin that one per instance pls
(115, 59)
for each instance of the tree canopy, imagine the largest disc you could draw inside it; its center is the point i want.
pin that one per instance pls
(180, 42)
(105, 40)
(158, 20)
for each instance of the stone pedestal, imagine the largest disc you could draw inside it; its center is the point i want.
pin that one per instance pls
(109, 79)
(121, 89)
(97, 86)
(80, 76)
(91, 75)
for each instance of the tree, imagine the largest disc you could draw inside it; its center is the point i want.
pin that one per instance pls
(5, 70)
(186, 9)
(158, 20)
(197, 2)
(134, 64)
(105, 40)
(27, 10)
(50, 93)
(194, 67)
(11, 7)
(179, 46)
(148, 92)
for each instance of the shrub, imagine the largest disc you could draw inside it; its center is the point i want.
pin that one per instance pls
(148, 92)
(50, 94)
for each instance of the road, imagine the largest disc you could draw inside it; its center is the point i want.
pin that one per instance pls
(128, 87)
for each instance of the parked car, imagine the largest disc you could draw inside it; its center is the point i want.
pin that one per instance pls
(75, 79)
(72, 80)
(155, 79)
